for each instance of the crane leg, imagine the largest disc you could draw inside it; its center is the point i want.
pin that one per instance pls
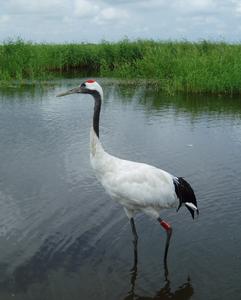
(133, 228)
(168, 229)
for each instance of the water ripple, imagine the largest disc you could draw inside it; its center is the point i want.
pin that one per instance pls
(63, 237)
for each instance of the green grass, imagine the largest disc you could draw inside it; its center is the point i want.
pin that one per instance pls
(202, 67)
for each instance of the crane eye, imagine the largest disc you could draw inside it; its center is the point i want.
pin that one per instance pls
(83, 85)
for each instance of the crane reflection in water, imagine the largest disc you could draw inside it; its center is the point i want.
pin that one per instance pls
(184, 291)
(48, 259)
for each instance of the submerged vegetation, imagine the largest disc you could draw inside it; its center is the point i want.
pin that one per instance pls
(202, 67)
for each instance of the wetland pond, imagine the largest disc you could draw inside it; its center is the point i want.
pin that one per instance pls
(62, 237)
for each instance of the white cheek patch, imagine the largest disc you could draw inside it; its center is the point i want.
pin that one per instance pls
(94, 85)
(191, 205)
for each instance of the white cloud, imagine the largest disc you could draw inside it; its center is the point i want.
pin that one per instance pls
(99, 11)
(4, 19)
(151, 3)
(78, 20)
(238, 7)
(83, 8)
(35, 6)
(195, 5)
(67, 20)
(109, 14)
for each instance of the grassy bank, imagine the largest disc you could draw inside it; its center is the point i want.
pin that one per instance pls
(173, 66)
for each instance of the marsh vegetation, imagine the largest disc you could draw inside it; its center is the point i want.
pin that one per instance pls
(202, 67)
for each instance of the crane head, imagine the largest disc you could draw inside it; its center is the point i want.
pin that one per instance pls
(87, 87)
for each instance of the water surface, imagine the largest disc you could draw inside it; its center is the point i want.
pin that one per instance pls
(61, 237)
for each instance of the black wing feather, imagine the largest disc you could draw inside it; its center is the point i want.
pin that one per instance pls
(184, 192)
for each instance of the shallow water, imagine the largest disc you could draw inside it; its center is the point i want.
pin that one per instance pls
(61, 237)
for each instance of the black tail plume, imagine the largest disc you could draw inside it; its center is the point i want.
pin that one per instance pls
(185, 194)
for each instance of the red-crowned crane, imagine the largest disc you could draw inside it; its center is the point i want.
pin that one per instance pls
(138, 187)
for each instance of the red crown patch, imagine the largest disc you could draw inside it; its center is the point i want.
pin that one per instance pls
(90, 81)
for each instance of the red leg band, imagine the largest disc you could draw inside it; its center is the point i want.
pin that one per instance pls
(165, 225)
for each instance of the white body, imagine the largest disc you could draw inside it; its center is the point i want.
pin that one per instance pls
(136, 186)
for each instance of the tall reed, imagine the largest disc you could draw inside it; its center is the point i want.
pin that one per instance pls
(202, 67)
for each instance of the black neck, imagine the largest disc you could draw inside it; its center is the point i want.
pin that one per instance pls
(96, 116)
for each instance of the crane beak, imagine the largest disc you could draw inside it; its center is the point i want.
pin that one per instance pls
(72, 91)
(192, 208)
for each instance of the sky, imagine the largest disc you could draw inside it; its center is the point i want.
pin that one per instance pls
(60, 21)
